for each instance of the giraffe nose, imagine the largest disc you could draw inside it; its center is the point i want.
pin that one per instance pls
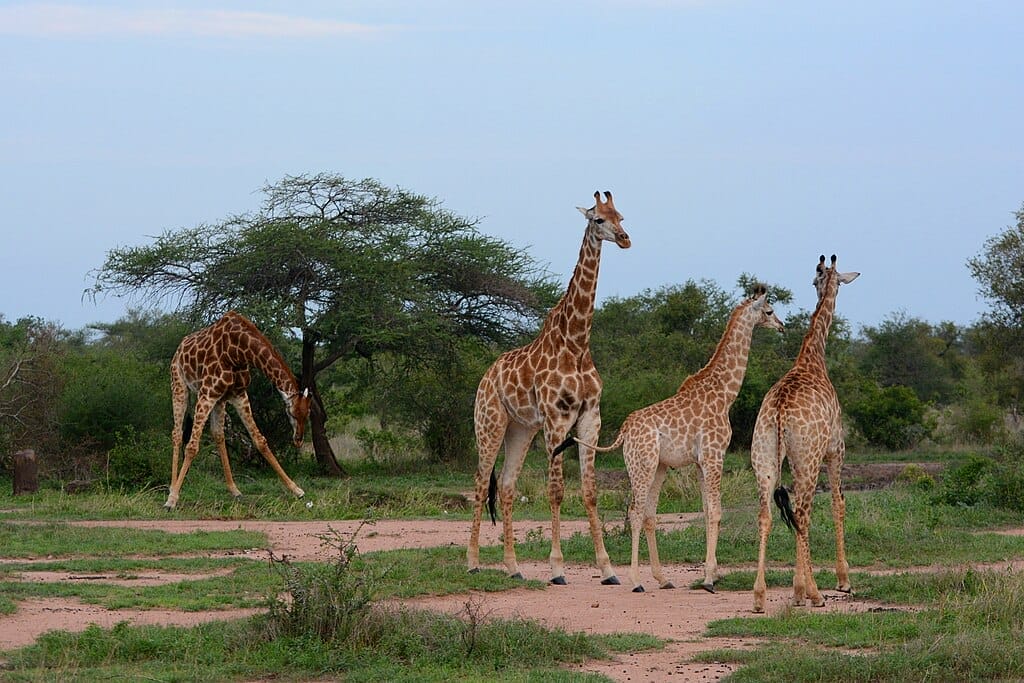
(623, 240)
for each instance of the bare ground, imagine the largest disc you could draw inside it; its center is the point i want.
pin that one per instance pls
(679, 615)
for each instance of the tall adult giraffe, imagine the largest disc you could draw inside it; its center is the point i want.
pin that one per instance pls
(691, 427)
(800, 419)
(213, 363)
(550, 383)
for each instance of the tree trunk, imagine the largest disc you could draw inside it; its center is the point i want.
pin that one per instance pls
(26, 472)
(318, 416)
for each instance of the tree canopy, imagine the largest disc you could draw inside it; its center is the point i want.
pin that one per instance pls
(352, 268)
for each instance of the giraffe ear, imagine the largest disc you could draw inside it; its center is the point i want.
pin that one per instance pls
(847, 278)
(585, 212)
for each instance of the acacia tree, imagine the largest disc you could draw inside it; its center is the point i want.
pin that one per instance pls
(999, 337)
(30, 384)
(350, 268)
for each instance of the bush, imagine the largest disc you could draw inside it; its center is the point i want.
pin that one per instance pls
(890, 417)
(998, 483)
(138, 460)
(329, 601)
(961, 485)
(107, 392)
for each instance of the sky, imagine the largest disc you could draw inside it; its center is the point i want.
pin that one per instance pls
(737, 136)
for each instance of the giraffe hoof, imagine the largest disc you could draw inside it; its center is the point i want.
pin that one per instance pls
(559, 581)
(474, 570)
(299, 493)
(667, 585)
(638, 589)
(848, 589)
(518, 576)
(611, 581)
(709, 587)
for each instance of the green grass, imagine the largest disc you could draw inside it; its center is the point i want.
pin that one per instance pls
(406, 646)
(969, 630)
(62, 540)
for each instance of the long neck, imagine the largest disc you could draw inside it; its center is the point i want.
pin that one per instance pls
(728, 364)
(570, 320)
(269, 360)
(812, 351)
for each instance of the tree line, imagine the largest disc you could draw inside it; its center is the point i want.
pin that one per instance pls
(389, 305)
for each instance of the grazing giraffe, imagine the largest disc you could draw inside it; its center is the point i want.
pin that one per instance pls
(550, 383)
(214, 363)
(691, 427)
(800, 419)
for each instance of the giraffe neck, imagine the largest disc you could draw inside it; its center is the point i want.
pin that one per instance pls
(812, 351)
(258, 351)
(570, 320)
(728, 363)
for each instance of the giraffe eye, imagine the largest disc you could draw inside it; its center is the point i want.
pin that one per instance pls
(599, 221)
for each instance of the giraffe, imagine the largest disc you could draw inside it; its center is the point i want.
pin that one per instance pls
(800, 419)
(214, 364)
(691, 427)
(550, 383)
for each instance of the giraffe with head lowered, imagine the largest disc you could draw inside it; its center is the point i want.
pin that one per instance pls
(800, 420)
(549, 384)
(213, 363)
(691, 427)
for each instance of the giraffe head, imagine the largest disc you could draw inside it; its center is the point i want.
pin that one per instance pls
(825, 279)
(604, 222)
(762, 309)
(298, 413)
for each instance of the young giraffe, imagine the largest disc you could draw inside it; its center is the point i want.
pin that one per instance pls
(691, 427)
(214, 364)
(800, 419)
(551, 383)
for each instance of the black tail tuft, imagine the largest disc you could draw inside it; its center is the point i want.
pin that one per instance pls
(785, 509)
(569, 441)
(186, 429)
(492, 495)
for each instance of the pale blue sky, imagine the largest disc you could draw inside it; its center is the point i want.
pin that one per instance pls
(737, 136)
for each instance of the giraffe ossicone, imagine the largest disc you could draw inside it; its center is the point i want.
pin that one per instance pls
(690, 427)
(800, 420)
(550, 384)
(214, 363)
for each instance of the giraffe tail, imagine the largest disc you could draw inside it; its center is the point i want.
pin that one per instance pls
(186, 427)
(492, 495)
(781, 495)
(785, 509)
(570, 440)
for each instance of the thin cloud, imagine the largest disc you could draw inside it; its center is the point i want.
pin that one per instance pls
(71, 21)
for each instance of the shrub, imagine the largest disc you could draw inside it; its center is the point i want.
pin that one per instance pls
(138, 460)
(890, 417)
(107, 392)
(961, 485)
(328, 601)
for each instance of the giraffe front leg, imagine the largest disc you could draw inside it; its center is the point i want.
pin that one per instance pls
(241, 404)
(589, 430)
